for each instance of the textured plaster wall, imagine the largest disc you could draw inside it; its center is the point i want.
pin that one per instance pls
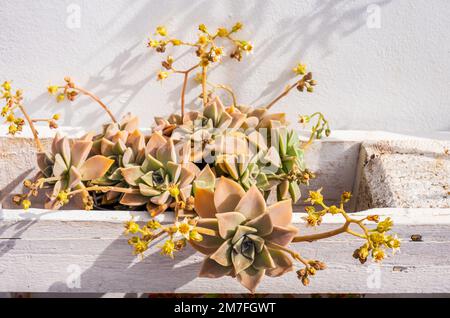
(381, 65)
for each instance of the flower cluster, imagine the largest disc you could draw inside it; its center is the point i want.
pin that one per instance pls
(13, 102)
(178, 234)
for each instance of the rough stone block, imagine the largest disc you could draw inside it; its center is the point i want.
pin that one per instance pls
(404, 174)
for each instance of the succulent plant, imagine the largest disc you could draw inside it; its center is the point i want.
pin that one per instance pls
(211, 131)
(249, 233)
(68, 166)
(165, 176)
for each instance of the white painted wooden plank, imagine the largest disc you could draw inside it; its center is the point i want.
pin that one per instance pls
(39, 252)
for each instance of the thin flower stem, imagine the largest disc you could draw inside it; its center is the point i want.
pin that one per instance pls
(319, 236)
(183, 90)
(283, 94)
(105, 189)
(227, 89)
(294, 254)
(95, 98)
(205, 98)
(39, 146)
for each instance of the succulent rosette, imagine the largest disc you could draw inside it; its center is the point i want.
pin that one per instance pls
(69, 167)
(249, 234)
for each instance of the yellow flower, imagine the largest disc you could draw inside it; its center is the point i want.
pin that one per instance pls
(237, 27)
(246, 46)
(153, 224)
(203, 28)
(63, 197)
(315, 197)
(10, 118)
(131, 227)
(140, 246)
(377, 238)
(202, 39)
(378, 254)
(218, 51)
(346, 196)
(26, 204)
(162, 75)
(393, 242)
(5, 110)
(6, 86)
(363, 253)
(56, 116)
(385, 225)
(174, 191)
(60, 98)
(168, 248)
(161, 30)
(184, 228)
(153, 43)
(53, 89)
(300, 69)
(333, 209)
(12, 129)
(303, 119)
(222, 32)
(312, 219)
(176, 42)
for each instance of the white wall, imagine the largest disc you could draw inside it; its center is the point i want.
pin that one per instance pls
(395, 77)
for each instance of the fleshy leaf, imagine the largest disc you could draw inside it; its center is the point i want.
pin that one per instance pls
(228, 223)
(204, 203)
(262, 223)
(211, 269)
(205, 179)
(281, 213)
(227, 195)
(282, 235)
(132, 174)
(132, 199)
(240, 262)
(250, 278)
(160, 199)
(241, 231)
(252, 204)
(223, 254)
(148, 191)
(80, 152)
(74, 177)
(95, 167)
(283, 263)
(59, 167)
(151, 164)
(106, 147)
(209, 244)
(294, 191)
(264, 260)
(167, 152)
(155, 142)
(63, 148)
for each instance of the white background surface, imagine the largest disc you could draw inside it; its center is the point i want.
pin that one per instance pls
(395, 77)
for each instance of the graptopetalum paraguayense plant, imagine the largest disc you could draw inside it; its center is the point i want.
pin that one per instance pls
(230, 173)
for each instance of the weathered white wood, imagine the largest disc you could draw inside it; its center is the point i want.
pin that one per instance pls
(41, 250)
